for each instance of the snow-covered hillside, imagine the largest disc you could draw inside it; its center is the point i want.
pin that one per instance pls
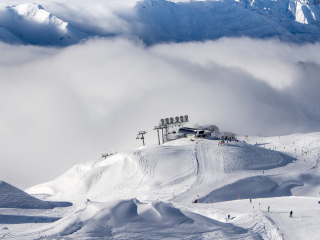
(166, 21)
(149, 192)
(12, 197)
(7, 37)
(188, 169)
(203, 20)
(31, 24)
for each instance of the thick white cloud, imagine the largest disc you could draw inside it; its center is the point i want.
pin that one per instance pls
(64, 106)
(267, 63)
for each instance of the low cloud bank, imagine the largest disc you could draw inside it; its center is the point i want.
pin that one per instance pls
(64, 106)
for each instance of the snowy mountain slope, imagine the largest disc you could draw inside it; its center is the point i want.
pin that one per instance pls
(197, 21)
(31, 24)
(177, 173)
(12, 197)
(253, 187)
(140, 170)
(270, 225)
(301, 11)
(294, 21)
(164, 21)
(301, 18)
(7, 37)
(183, 169)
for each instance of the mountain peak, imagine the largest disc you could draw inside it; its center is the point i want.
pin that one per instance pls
(37, 13)
(30, 23)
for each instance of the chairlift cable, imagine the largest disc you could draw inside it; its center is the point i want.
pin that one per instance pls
(124, 143)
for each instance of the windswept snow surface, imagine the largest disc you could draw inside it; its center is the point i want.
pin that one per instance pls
(148, 193)
(131, 219)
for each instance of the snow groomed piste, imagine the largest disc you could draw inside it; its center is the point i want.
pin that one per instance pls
(149, 193)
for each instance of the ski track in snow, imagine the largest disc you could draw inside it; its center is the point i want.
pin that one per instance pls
(178, 172)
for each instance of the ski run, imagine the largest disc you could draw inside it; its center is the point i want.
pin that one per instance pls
(150, 193)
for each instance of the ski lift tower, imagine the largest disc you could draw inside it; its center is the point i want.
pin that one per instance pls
(168, 125)
(142, 137)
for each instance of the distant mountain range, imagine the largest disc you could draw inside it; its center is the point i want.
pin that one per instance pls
(163, 21)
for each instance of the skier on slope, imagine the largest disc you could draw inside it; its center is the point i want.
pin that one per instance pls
(250, 200)
(291, 214)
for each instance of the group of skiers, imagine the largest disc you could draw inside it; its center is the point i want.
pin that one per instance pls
(291, 213)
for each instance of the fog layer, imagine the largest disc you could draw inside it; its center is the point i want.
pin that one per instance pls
(60, 107)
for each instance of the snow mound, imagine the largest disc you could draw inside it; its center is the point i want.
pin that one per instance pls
(249, 157)
(131, 219)
(181, 168)
(12, 197)
(305, 142)
(152, 167)
(253, 187)
(31, 24)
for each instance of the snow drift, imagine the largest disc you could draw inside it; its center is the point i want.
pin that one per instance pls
(129, 219)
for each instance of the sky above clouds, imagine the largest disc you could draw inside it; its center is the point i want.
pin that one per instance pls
(62, 106)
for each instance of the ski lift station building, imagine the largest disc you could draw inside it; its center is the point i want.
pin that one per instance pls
(195, 132)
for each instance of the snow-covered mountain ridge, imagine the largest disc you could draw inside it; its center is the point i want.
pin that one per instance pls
(291, 21)
(37, 13)
(30, 24)
(304, 11)
(164, 21)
